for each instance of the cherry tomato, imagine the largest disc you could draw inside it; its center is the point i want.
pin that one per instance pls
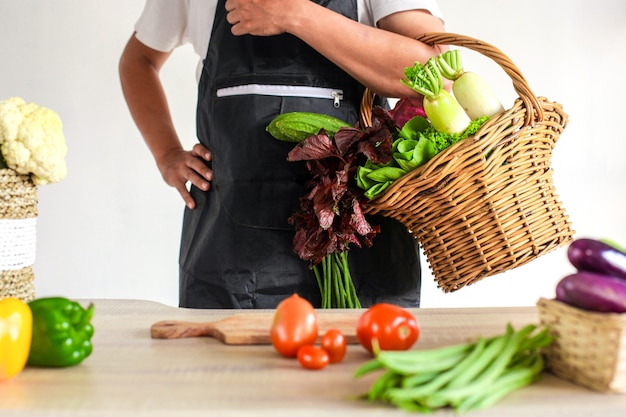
(393, 327)
(334, 342)
(313, 357)
(294, 325)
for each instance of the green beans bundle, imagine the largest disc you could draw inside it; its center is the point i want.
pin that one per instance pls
(465, 377)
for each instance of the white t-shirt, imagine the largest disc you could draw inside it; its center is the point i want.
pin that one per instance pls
(167, 24)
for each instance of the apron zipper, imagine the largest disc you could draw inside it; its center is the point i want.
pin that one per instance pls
(283, 90)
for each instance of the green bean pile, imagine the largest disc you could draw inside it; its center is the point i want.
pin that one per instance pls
(465, 377)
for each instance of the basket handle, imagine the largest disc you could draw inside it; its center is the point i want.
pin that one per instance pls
(519, 82)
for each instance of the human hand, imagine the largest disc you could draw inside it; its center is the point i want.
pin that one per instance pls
(180, 166)
(260, 17)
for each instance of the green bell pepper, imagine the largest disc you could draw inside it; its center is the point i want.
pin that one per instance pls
(62, 332)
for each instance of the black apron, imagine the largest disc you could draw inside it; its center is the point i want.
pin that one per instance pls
(237, 245)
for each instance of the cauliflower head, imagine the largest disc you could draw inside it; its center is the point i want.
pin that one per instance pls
(32, 140)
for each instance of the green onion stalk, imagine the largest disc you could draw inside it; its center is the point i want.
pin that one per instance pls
(335, 281)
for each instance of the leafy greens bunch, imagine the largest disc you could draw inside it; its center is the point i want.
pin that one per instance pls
(414, 145)
(331, 217)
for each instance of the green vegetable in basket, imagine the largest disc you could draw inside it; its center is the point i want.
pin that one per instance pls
(448, 122)
(442, 141)
(443, 110)
(418, 142)
(470, 89)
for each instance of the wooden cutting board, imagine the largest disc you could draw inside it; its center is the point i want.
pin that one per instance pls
(251, 328)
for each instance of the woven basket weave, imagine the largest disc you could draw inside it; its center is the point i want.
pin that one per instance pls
(589, 348)
(18, 213)
(486, 204)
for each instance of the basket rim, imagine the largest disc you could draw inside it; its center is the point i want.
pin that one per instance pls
(604, 317)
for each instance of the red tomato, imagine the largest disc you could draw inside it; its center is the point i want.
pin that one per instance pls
(393, 327)
(334, 342)
(294, 325)
(313, 357)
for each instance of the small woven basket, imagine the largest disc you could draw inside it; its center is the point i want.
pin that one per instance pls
(18, 214)
(486, 204)
(589, 348)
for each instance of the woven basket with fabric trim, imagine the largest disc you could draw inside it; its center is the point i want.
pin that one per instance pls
(18, 213)
(488, 203)
(589, 348)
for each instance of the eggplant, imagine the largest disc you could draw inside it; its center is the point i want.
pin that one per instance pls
(593, 291)
(593, 255)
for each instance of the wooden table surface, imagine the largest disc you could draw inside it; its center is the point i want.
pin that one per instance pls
(131, 374)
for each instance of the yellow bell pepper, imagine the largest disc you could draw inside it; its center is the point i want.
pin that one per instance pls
(16, 327)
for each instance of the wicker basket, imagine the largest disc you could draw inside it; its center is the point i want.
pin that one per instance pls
(18, 215)
(589, 347)
(486, 204)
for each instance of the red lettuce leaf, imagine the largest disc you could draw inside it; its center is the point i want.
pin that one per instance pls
(314, 147)
(406, 108)
(331, 217)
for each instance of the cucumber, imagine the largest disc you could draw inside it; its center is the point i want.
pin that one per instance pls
(297, 126)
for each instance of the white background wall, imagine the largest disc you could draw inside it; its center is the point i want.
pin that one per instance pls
(111, 228)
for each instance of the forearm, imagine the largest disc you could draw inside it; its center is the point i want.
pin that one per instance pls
(374, 56)
(139, 73)
(146, 99)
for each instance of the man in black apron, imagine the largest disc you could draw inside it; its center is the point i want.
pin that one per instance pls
(237, 244)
